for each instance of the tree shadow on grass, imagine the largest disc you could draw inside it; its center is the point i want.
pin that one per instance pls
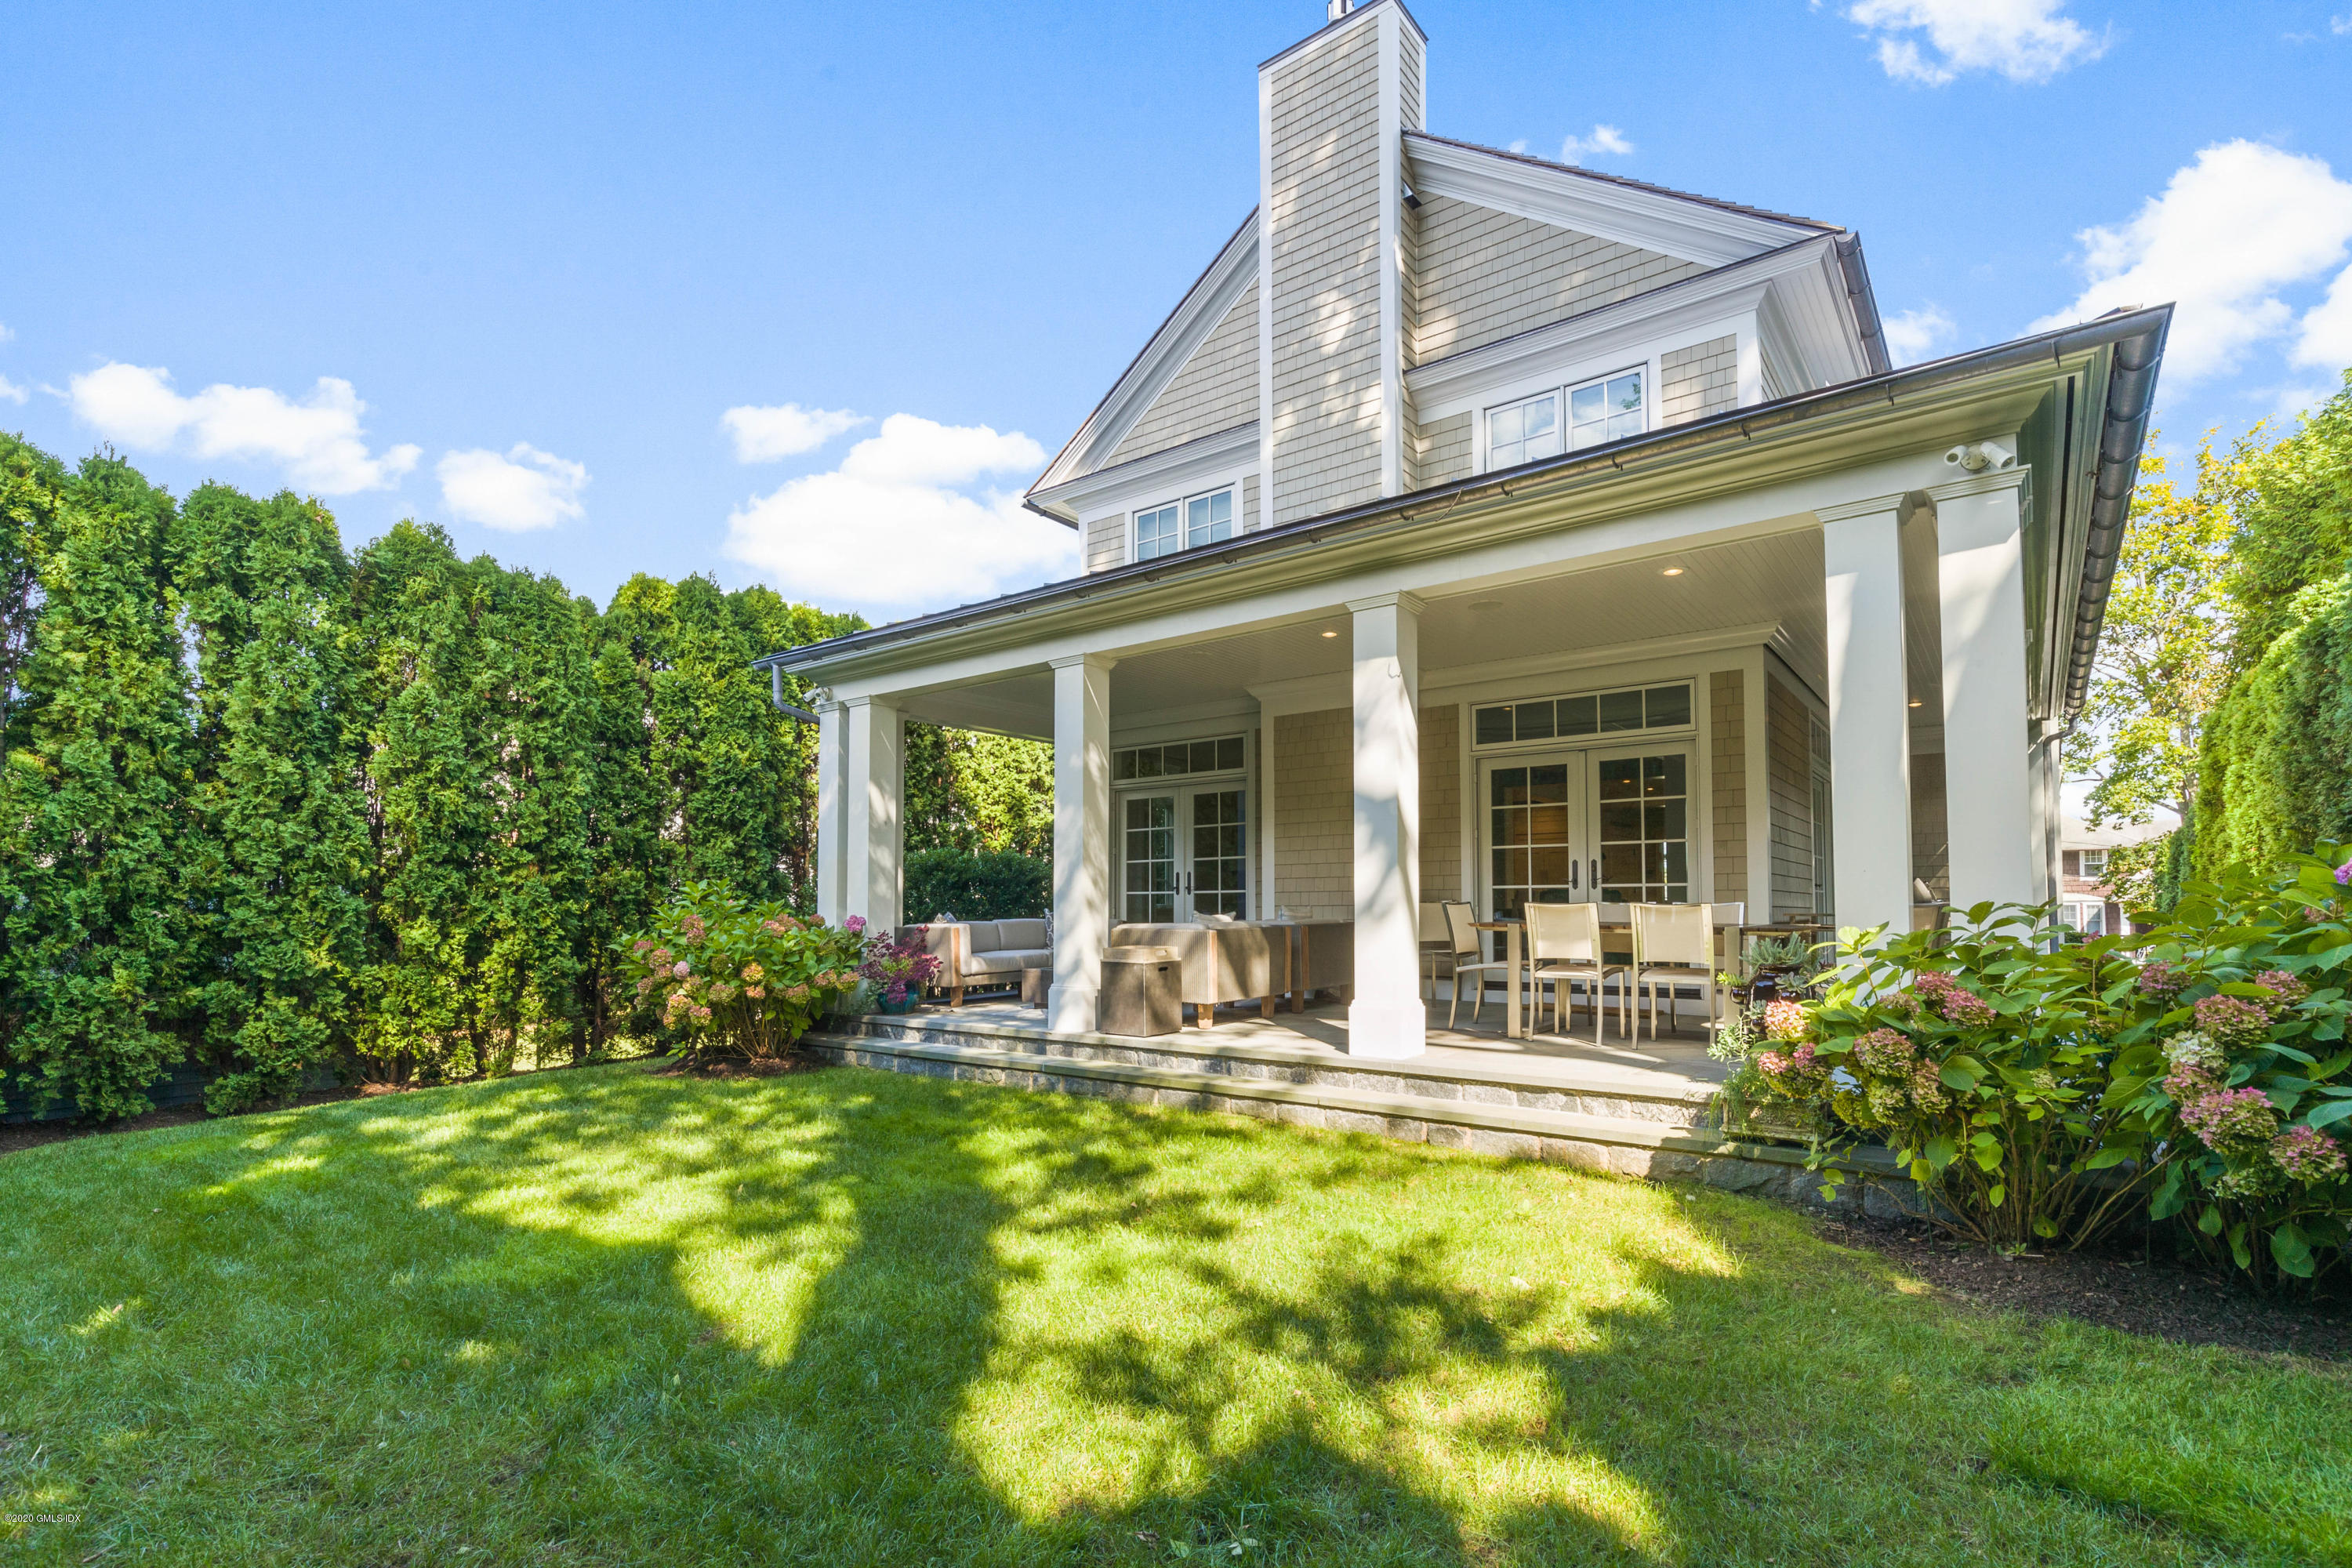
(854, 1318)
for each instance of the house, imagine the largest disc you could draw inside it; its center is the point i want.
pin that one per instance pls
(1483, 528)
(2087, 896)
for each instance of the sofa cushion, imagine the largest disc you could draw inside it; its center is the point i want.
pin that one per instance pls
(1010, 961)
(979, 936)
(1020, 934)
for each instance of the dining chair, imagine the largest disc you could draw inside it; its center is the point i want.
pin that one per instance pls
(1564, 946)
(1730, 935)
(1434, 942)
(1469, 959)
(1673, 945)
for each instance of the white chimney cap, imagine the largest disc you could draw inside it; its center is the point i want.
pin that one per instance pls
(1335, 9)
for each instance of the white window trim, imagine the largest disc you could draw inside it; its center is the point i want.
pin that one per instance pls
(1483, 418)
(1135, 544)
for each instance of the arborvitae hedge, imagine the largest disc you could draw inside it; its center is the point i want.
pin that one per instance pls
(2276, 763)
(268, 807)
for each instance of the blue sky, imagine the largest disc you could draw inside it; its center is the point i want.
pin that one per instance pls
(536, 255)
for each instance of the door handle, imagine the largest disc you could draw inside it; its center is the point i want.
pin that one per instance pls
(1596, 879)
(1575, 869)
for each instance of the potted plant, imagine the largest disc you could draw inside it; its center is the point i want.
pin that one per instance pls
(1778, 966)
(898, 970)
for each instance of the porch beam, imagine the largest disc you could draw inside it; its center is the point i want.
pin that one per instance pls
(872, 831)
(1990, 789)
(1870, 740)
(1386, 1018)
(1081, 841)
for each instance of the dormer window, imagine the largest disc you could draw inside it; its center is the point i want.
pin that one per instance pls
(1606, 408)
(1204, 519)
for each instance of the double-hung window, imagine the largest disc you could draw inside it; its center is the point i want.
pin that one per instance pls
(1606, 408)
(1204, 519)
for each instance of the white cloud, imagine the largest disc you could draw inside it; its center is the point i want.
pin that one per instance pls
(316, 442)
(4, 333)
(901, 525)
(2324, 337)
(2340, 26)
(1915, 335)
(2024, 40)
(10, 392)
(523, 489)
(764, 435)
(2230, 231)
(1606, 141)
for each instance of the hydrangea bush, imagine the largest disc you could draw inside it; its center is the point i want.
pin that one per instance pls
(2038, 1089)
(2233, 1078)
(1977, 1056)
(739, 979)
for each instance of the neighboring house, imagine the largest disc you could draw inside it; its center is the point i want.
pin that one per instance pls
(2086, 898)
(1483, 528)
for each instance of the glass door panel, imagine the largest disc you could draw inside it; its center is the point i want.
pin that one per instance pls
(1535, 819)
(1644, 821)
(1148, 853)
(1220, 853)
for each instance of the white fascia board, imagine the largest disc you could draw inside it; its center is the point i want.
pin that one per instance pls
(1209, 301)
(1189, 466)
(1681, 226)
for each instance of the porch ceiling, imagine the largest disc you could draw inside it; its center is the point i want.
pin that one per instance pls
(1717, 588)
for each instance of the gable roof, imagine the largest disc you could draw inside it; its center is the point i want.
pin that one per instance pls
(1206, 303)
(1630, 212)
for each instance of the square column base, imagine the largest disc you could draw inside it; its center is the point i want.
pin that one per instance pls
(1387, 1031)
(1070, 1010)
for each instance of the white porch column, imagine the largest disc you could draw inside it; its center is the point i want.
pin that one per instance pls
(1990, 807)
(1870, 719)
(1081, 841)
(872, 837)
(1386, 1019)
(832, 808)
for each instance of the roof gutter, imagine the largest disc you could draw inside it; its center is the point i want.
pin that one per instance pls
(1863, 303)
(2138, 338)
(2131, 397)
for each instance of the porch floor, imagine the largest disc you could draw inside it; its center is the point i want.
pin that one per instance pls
(1676, 1061)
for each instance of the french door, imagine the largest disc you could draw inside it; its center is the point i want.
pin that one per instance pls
(1571, 828)
(1184, 853)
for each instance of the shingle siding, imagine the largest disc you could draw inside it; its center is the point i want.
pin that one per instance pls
(1728, 747)
(1485, 275)
(1314, 814)
(1440, 451)
(1789, 765)
(1107, 541)
(1441, 805)
(1323, 229)
(1700, 380)
(1217, 390)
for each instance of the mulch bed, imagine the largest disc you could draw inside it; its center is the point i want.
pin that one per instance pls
(2140, 1293)
(17, 1136)
(735, 1067)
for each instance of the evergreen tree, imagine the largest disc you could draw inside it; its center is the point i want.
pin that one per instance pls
(92, 798)
(429, 811)
(279, 842)
(536, 734)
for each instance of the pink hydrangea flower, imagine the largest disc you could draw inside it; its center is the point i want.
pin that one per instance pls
(2161, 979)
(2307, 1155)
(2286, 989)
(1883, 1050)
(1786, 1020)
(681, 969)
(2231, 1021)
(1951, 1000)
(2230, 1118)
(2344, 875)
(855, 925)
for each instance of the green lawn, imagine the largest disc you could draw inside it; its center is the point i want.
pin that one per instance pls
(846, 1318)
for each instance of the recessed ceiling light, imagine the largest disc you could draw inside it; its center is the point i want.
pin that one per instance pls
(1330, 634)
(1914, 702)
(1672, 572)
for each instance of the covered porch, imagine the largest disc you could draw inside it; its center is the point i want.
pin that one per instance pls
(1672, 710)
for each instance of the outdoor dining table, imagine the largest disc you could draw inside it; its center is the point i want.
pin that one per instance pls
(1619, 916)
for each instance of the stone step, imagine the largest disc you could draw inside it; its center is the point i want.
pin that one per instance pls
(1561, 1084)
(1632, 1146)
